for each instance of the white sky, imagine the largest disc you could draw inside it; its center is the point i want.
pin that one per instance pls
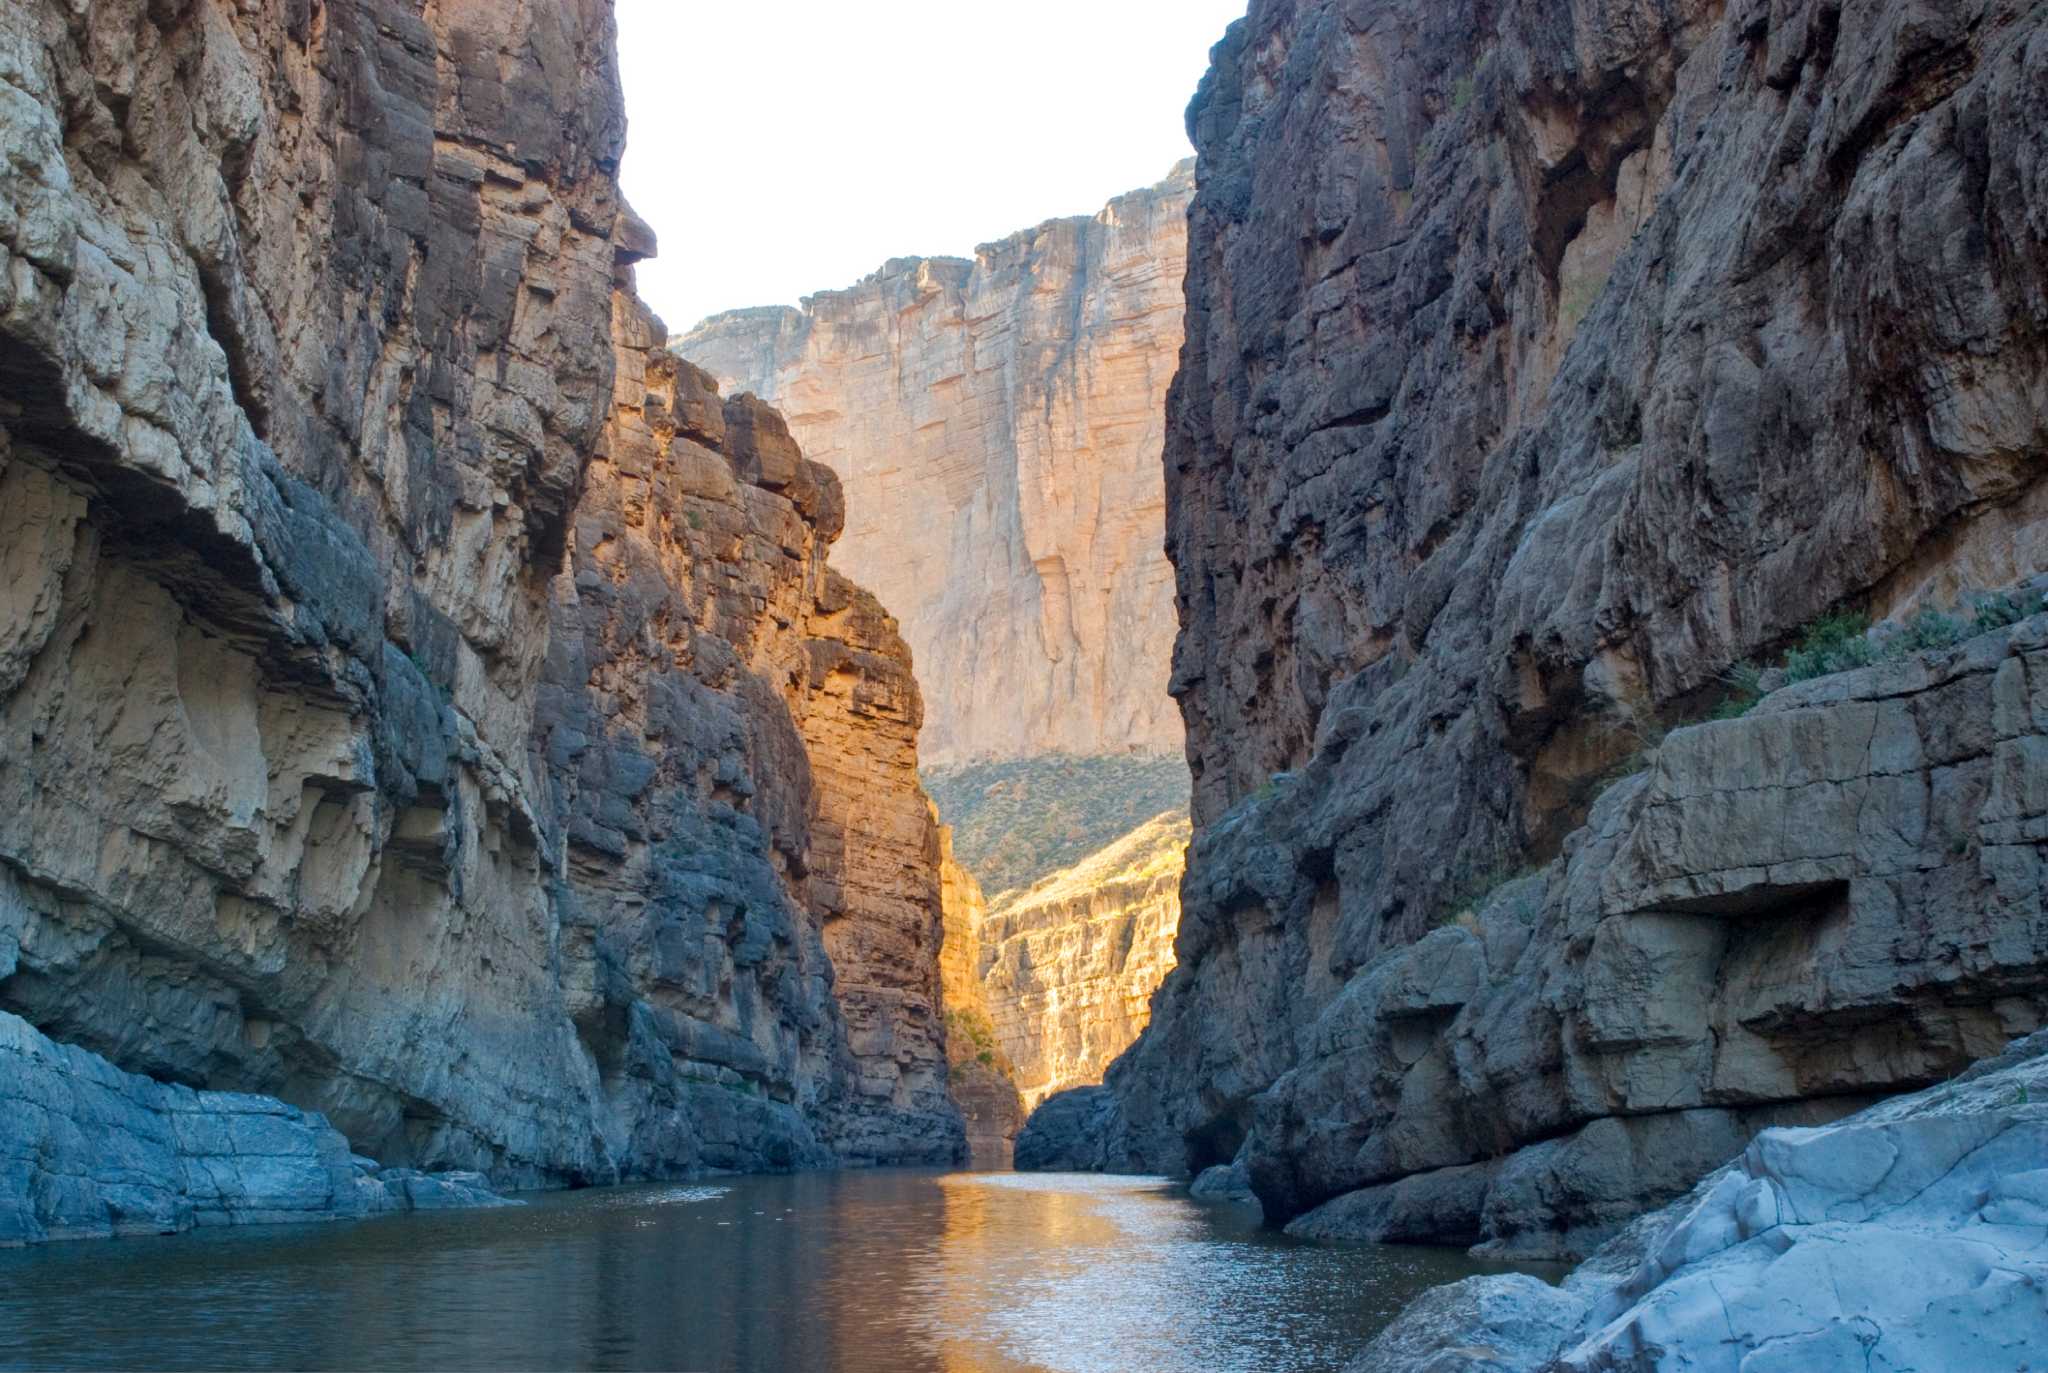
(781, 147)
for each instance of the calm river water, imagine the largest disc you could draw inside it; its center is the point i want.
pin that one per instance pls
(850, 1272)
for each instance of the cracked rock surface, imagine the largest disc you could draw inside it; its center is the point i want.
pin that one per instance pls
(1910, 1238)
(1544, 363)
(1835, 897)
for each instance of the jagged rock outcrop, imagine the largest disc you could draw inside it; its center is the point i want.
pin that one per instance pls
(1543, 363)
(1068, 965)
(422, 700)
(1835, 896)
(998, 424)
(1912, 1236)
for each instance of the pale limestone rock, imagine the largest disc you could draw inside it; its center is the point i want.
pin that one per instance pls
(997, 425)
(1057, 977)
(1912, 1237)
(1068, 965)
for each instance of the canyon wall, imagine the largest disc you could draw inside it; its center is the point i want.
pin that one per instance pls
(1068, 965)
(997, 424)
(982, 1077)
(422, 699)
(1544, 363)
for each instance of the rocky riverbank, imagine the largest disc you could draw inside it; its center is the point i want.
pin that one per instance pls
(1834, 896)
(422, 699)
(1913, 1235)
(90, 1152)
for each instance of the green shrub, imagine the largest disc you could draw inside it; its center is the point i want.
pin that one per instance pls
(1461, 92)
(1997, 611)
(972, 1030)
(1841, 642)
(1745, 689)
(1928, 629)
(1835, 643)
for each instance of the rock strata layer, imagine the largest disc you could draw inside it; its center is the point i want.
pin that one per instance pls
(1068, 965)
(1541, 369)
(423, 700)
(998, 424)
(1912, 1236)
(1836, 896)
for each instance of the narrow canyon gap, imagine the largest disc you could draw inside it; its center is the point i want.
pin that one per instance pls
(998, 424)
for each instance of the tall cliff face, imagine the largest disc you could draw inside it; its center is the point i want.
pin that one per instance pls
(1545, 361)
(998, 425)
(1068, 965)
(421, 699)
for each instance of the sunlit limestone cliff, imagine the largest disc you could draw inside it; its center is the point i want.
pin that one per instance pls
(422, 699)
(1546, 364)
(998, 423)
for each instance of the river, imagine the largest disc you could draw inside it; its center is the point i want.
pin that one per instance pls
(845, 1272)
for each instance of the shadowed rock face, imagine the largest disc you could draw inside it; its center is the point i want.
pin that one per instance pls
(420, 699)
(1543, 362)
(1837, 896)
(161, 1158)
(997, 424)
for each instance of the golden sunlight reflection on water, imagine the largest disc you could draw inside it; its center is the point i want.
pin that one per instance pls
(882, 1272)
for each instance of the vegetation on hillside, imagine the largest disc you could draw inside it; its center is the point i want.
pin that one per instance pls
(1843, 642)
(1018, 821)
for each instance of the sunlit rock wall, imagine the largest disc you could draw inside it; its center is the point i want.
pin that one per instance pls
(419, 699)
(997, 424)
(982, 1077)
(1069, 964)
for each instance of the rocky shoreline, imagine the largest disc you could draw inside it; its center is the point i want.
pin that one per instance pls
(1913, 1235)
(90, 1152)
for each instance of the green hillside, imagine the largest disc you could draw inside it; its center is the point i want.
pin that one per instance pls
(1018, 821)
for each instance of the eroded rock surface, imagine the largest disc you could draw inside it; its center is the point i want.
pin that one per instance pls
(1913, 1236)
(420, 698)
(1835, 896)
(90, 1152)
(1541, 367)
(1068, 965)
(998, 424)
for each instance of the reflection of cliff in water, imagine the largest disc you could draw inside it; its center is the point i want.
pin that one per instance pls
(885, 1272)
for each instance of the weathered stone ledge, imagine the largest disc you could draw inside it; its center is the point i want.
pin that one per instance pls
(90, 1152)
(1789, 915)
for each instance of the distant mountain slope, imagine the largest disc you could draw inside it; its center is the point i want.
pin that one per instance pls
(1019, 821)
